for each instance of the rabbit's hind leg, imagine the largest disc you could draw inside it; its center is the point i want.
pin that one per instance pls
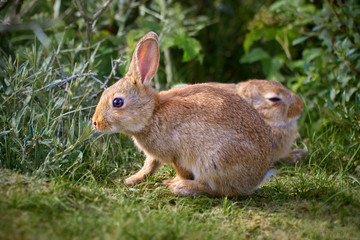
(191, 187)
(181, 174)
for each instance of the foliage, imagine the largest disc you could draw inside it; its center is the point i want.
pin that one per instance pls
(311, 46)
(315, 50)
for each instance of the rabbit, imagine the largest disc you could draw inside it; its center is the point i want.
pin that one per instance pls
(279, 107)
(195, 129)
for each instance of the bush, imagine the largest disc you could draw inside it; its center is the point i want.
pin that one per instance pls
(314, 50)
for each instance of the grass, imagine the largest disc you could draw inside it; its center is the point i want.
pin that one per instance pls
(297, 204)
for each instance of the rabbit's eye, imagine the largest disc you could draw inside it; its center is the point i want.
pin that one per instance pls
(118, 102)
(275, 99)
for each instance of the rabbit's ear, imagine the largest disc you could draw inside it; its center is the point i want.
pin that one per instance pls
(145, 60)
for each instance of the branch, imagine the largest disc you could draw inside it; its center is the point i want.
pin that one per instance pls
(112, 73)
(90, 21)
(97, 80)
(101, 10)
(343, 26)
(81, 10)
(63, 81)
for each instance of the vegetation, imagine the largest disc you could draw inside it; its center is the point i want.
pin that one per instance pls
(59, 178)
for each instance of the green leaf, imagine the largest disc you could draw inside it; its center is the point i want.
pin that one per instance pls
(132, 36)
(271, 68)
(300, 40)
(190, 46)
(167, 42)
(277, 5)
(3, 133)
(254, 55)
(333, 93)
(76, 156)
(250, 38)
(72, 130)
(312, 53)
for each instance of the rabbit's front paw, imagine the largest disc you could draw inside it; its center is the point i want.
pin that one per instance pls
(296, 155)
(300, 153)
(134, 179)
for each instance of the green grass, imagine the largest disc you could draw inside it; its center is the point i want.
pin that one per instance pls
(297, 204)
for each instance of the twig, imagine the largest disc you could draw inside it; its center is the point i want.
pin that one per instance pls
(98, 81)
(57, 52)
(63, 81)
(133, 5)
(81, 10)
(285, 45)
(101, 10)
(343, 26)
(169, 75)
(167, 57)
(60, 66)
(21, 100)
(80, 49)
(61, 41)
(91, 59)
(112, 73)
(89, 21)
(349, 14)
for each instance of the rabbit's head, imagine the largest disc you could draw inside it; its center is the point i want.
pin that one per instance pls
(272, 100)
(127, 105)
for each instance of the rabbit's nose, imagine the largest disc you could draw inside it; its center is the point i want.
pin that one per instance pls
(95, 123)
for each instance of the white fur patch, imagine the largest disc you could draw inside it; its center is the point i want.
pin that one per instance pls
(135, 128)
(292, 123)
(211, 185)
(269, 174)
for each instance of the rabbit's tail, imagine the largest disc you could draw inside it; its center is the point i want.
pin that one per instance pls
(271, 172)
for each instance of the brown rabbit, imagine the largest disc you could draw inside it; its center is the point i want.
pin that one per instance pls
(195, 129)
(279, 107)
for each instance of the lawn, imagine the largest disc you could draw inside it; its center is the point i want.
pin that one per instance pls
(300, 202)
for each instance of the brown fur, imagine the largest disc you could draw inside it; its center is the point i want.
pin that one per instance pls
(195, 129)
(281, 116)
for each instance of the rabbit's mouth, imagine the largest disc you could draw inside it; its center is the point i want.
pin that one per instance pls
(101, 124)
